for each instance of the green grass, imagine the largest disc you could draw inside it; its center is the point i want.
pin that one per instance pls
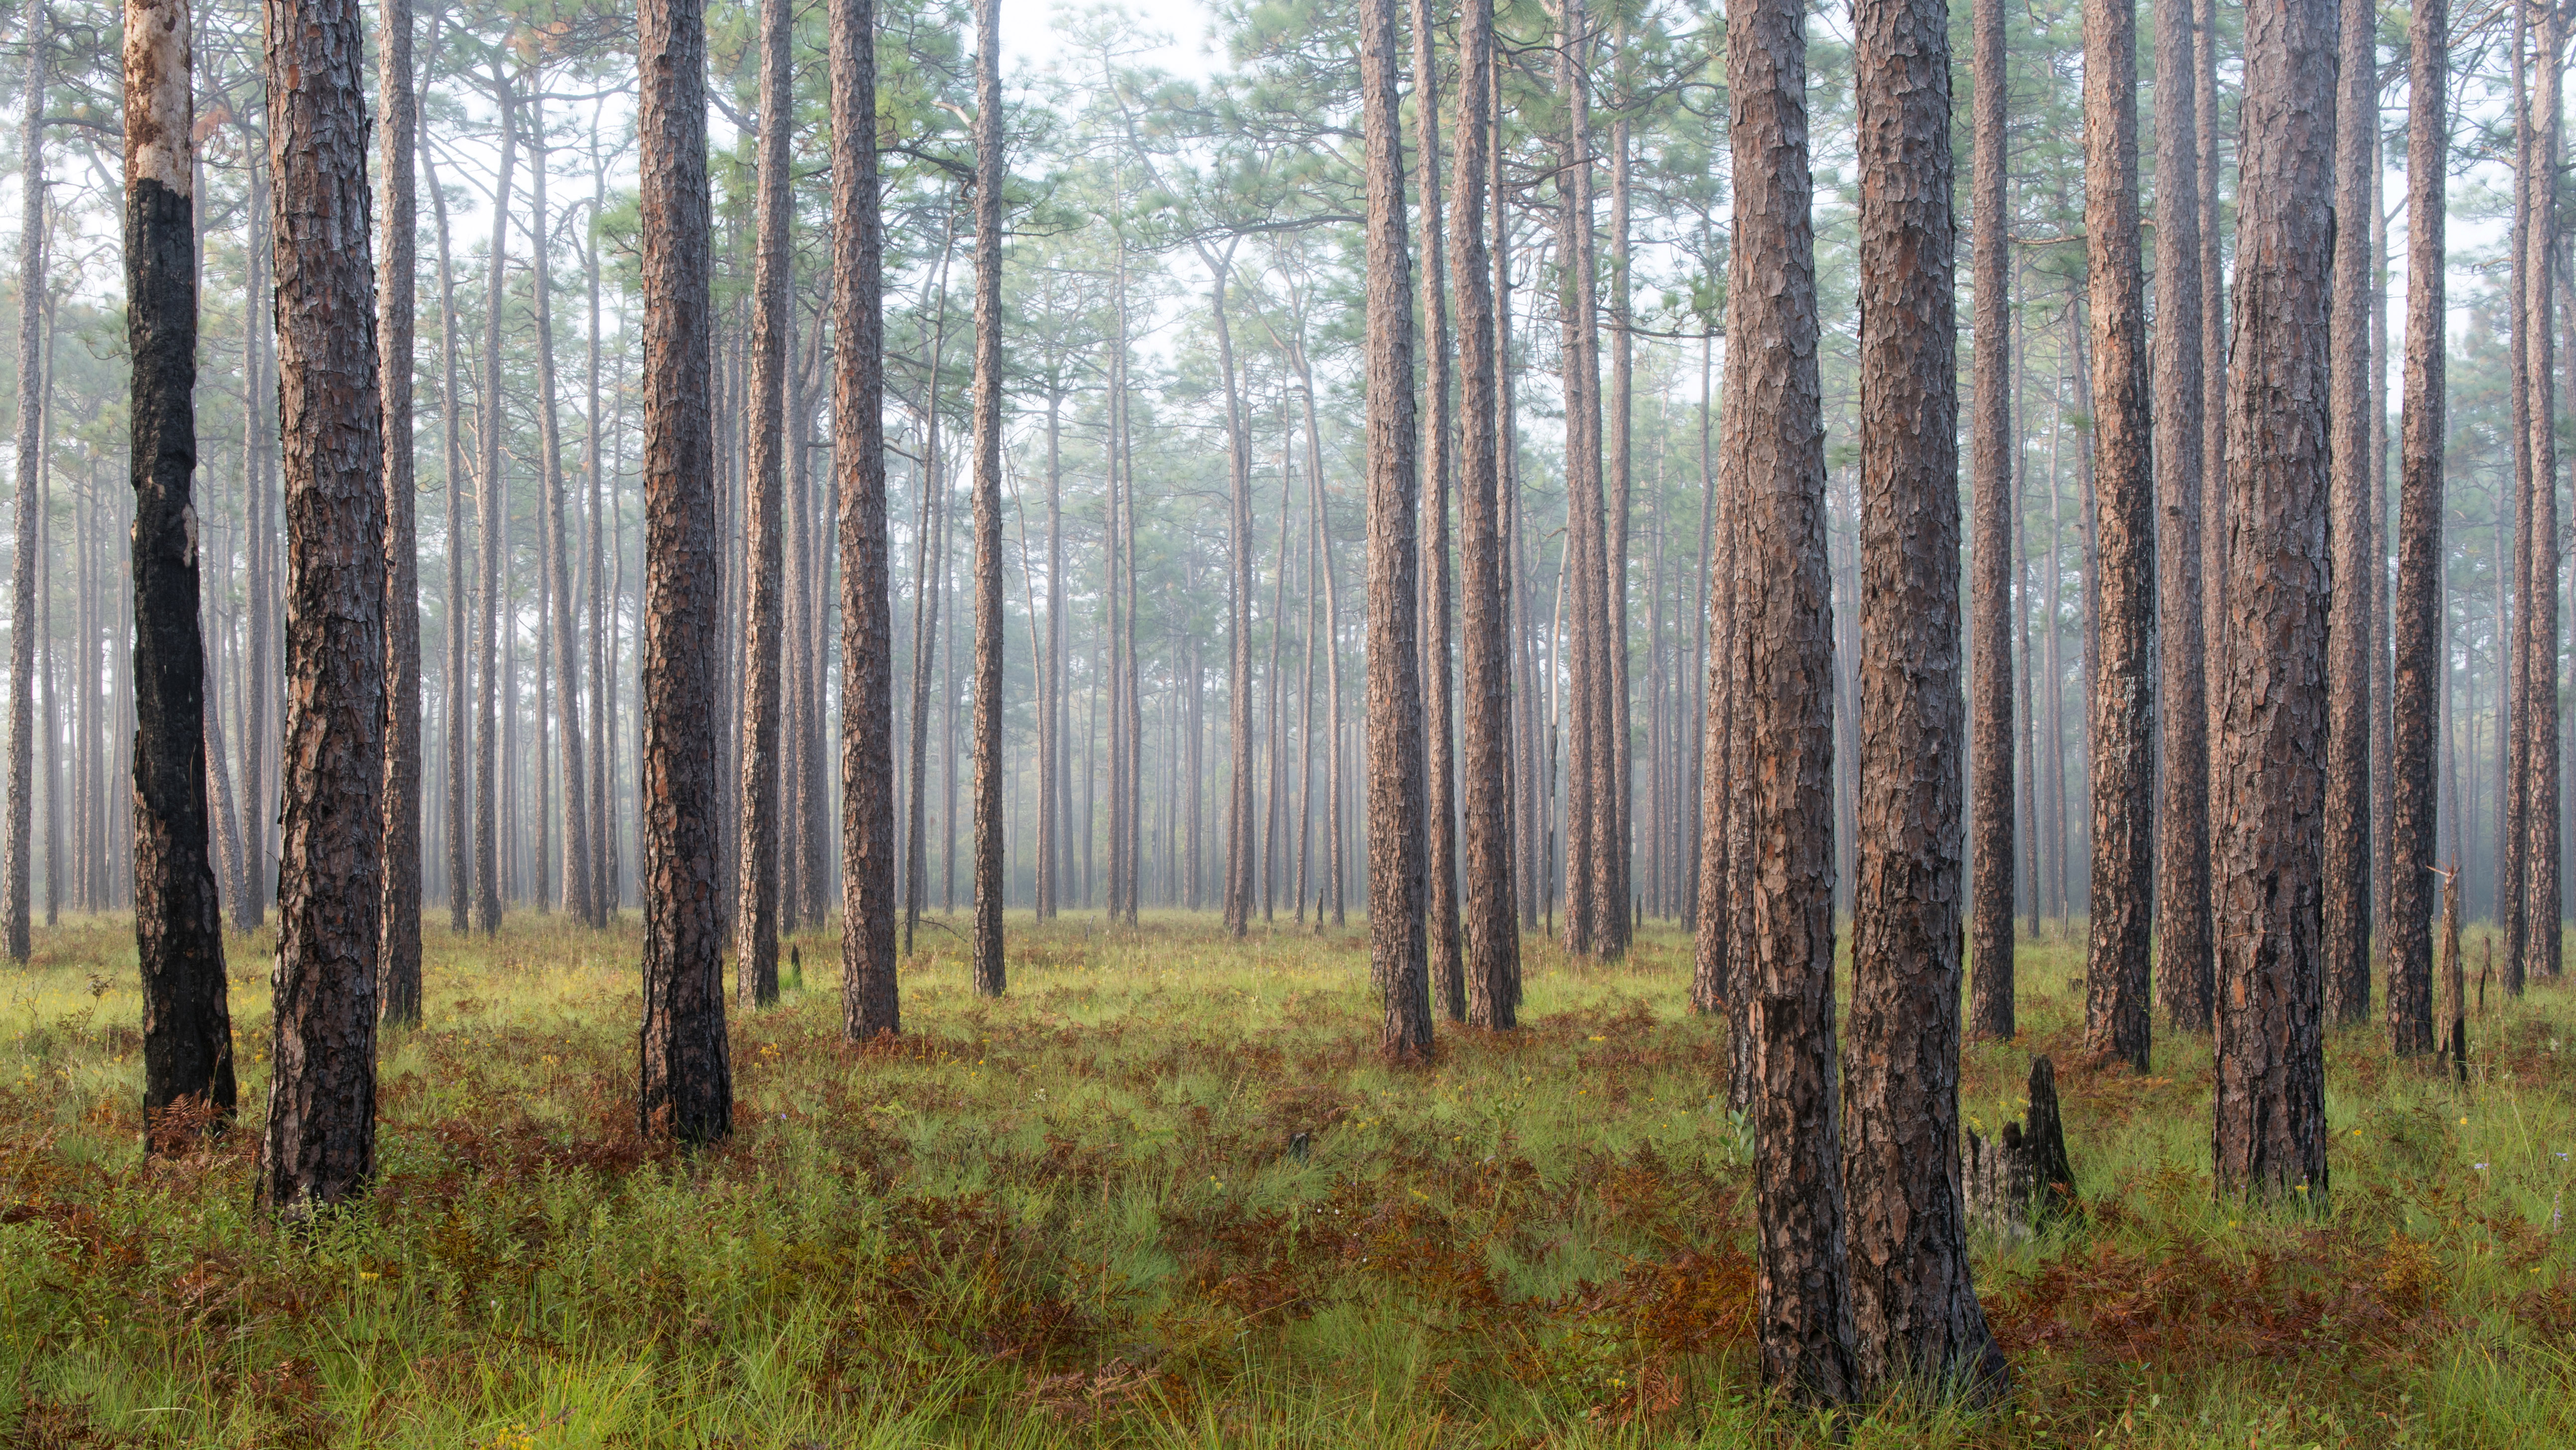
(1080, 1216)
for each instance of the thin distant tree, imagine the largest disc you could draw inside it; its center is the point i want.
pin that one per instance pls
(868, 1000)
(178, 913)
(685, 1079)
(989, 176)
(755, 952)
(320, 1146)
(1395, 793)
(557, 614)
(1913, 1302)
(2182, 820)
(455, 688)
(397, 121)
(1492, 917)
(2416, 620)
(2344, 952)
(2269, 771)
(1991, 846)
(492, 510)
(1774, 439)
(31, 384)
(2123, 734)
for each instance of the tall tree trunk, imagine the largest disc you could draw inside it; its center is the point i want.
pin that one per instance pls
(258, 692)
(456, 687)
(14, 931)
(1774, 439)
(2182, 858)
(178, 914)
(1588, 812)
(1238, 593)
(2270, 767)
(2513, 780)
(2416, 621)
(1492, 916)
(2537, 605)
(2213, 370)
(398, 117)
(2123, 734)
(1914, 1306)
(603, 726)
(1395, 788)
(989, 176)
(493, 510)
(1440, 763)
(685, 1080)
(559, 611)
(321, 1140)
(2344, 951)
(868, 999)
(1991, 444)
(756, 857)
(1048, 882)
(1615, 757)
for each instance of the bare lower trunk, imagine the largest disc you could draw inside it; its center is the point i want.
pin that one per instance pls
(1395, 787)
(1492, 918)
(2269, 773)
(989, 973)
(868, 1001)
(2416, 620)
(320, 1144)
(2344, 950)
(2123, 723)
(1913, 1303)
(756, 790)
(685, 1079)
(1775, 456)
(398, 966)
(178, 914)
(1991, 846)
(2182, 857)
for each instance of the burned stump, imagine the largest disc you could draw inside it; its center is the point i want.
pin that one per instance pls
(2022, 1180)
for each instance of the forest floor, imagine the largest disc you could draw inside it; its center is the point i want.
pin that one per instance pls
(1164, 1194)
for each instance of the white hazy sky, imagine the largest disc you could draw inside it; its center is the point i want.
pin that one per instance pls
(1030, 39)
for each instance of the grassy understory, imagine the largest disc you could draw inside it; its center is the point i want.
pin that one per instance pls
(1164, 1194)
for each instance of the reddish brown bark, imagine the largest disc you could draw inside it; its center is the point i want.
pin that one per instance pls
(320, 1144)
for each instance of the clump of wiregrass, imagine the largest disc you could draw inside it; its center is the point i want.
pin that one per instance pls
(1166, 1193)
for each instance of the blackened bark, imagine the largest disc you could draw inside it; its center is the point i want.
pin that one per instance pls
(685, 1079)
(1775, 446)
(868, 1001)
(2123, 735)
(1492, 917)
(2344, 951)
(320, 1146)
(178, 913)
(2269, 773)
(2416, 620)
(2182, 820)
(398, 965)
(1991, 846)
(755, 952)
(1395, 791)
(2213, 375)
(1913, 1303)
(989, 968)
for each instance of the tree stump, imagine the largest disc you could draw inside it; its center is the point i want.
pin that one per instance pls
(2019, 1182)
